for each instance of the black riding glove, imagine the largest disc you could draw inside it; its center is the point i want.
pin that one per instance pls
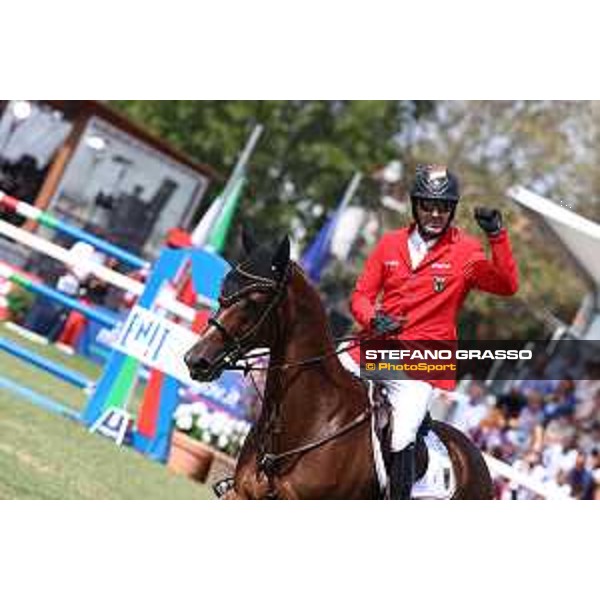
(489, 219)
(382, 324)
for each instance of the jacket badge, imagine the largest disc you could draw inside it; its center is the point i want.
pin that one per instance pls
(439, 284)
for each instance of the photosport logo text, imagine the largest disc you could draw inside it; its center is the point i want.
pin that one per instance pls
(434, 359)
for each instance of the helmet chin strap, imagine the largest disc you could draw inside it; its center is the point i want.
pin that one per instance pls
(428, 235)
(423, 232)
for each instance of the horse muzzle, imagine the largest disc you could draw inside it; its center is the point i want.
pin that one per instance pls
(201, 369)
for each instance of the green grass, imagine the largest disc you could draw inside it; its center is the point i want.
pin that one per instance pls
(45, 456)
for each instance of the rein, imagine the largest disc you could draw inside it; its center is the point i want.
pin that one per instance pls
(268, 461)
(307, 362)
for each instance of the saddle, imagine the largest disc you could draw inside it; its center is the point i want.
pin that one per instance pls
(382, 421)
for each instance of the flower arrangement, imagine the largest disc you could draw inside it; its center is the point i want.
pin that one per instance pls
(215, 428)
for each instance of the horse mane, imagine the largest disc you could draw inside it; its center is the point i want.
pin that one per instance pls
(312, 295)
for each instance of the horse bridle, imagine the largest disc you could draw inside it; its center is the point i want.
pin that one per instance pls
(236, 346)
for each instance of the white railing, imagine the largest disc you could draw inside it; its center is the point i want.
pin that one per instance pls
(497, 467)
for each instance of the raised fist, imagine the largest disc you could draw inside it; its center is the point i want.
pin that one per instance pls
(489, 219)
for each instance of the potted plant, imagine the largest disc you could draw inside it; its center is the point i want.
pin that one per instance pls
(199, 435)
(19, 302)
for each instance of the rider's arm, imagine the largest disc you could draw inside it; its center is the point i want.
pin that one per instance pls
(497, 276)
(362, 303)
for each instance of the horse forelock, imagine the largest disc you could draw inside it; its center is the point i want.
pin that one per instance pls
(255, 267)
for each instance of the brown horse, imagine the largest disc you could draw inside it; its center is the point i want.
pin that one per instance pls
(313, 437)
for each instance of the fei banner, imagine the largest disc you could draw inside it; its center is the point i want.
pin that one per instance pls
(156, 342)
(159, 343)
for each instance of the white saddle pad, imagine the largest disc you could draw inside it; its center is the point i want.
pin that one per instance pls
(438, 482)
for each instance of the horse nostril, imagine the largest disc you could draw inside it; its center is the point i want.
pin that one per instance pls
(202, 364)
(188, 359)
(197, 364)
(194, 363)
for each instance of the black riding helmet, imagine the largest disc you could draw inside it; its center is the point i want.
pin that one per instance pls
(434, 182)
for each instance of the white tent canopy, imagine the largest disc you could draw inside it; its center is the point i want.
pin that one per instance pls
(580, 236)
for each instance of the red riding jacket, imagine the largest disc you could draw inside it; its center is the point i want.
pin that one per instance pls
(431, 295)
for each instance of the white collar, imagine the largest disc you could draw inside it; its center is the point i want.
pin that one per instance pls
(418, 242)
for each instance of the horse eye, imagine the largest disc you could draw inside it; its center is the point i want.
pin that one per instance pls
(251, 304)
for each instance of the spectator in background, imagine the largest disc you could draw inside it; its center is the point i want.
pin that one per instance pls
(48, 318)
(594, 465)
(83, 255)
(468, 411)
(587, 390)
(528, 427)
(96, 288)
(69, 285)
(491, 436)
(511, 404)
(92, 289)
(589, 436)
(562, 402)
(75, 324)
(581, 480)
(567, 363)
(128, 299)
(560, 485)
(537, 379)
(587, 411)
(559, 457)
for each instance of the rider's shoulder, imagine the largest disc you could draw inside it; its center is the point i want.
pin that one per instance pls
(390, 239)
(466, 240)
(395, 234)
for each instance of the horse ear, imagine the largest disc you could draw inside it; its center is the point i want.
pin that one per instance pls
(281, 258)
(249, 242)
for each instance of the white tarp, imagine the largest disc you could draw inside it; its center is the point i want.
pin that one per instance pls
(580, 236)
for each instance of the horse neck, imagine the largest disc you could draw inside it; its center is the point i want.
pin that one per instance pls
(305, 331)
(322, 391)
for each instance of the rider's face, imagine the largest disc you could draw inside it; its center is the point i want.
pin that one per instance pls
(434, 216)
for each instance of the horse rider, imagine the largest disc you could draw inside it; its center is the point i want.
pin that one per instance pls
(412, 288)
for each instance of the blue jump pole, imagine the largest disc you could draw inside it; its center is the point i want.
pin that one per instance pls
(38, 399)
(45, 364)
(104, 318)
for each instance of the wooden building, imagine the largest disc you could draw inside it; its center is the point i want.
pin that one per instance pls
(89, 164)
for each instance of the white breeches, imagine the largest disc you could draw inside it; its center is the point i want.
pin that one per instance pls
(410, 400)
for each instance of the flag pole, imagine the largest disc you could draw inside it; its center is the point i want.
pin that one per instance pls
(244, 158)
(349, 193)
(351, 189)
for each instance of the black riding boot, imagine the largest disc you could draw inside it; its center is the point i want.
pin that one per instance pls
(402, 473)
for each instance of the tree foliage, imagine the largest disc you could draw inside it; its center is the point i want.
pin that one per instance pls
(308, 151)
